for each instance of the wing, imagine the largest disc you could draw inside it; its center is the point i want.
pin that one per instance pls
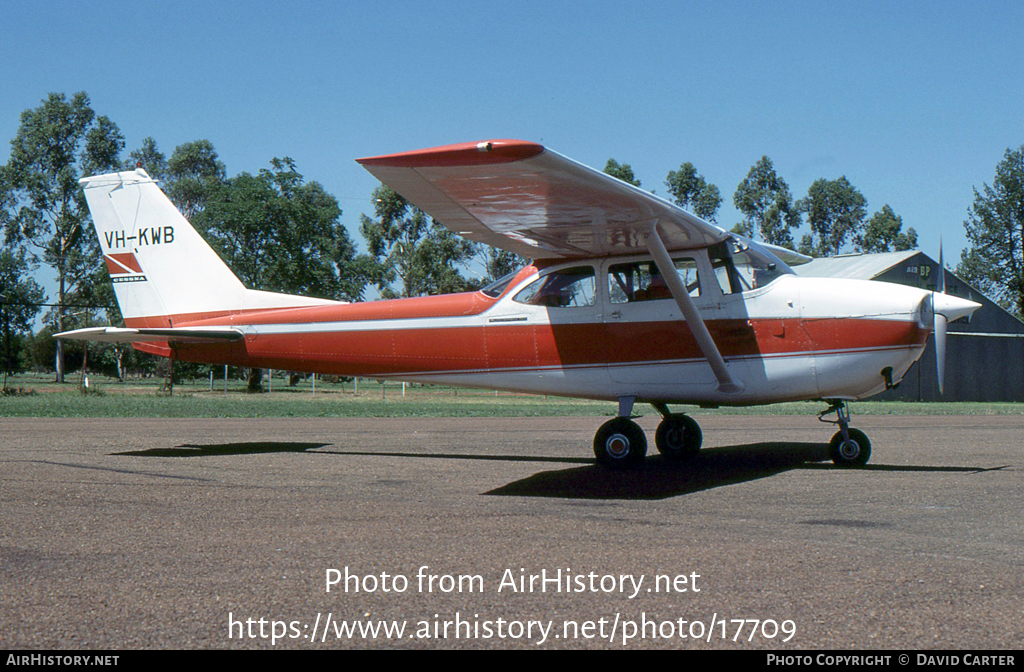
(520, 196)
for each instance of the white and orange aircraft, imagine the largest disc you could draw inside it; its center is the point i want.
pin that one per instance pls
(629, 299)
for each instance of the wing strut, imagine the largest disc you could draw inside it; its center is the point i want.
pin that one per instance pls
(726, 383)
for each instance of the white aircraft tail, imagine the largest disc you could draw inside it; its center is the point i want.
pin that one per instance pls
(163, 271)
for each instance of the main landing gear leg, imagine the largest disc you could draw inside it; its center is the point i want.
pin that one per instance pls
(620, 443)
(678, 436)
(849, 447)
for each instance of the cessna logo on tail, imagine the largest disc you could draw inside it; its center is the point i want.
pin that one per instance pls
(124, 267)
(152, 236)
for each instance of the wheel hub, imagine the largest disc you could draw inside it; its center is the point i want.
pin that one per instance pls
(617, 445)
(849, 449)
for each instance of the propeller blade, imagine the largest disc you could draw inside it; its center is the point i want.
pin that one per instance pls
(942, 271)
(945, 308)
(940, 325)
(940, 349)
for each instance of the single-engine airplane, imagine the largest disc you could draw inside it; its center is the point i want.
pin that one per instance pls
(629, 298)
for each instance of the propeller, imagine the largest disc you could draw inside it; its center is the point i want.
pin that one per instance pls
(944, 309)
(939, 328)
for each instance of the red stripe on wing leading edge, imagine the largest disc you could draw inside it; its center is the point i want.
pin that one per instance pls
(464, 154)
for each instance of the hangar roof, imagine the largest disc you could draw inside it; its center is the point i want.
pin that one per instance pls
(854, 266)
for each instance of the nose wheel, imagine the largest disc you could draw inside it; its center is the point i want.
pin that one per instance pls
(849, 447)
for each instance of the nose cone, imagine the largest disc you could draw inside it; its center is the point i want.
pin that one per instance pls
(952, 307)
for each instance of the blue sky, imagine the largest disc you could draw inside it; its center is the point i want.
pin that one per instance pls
(914, 102)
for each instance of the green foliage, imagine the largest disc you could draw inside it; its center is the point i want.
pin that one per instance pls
(691, 191)
(150, 159)
(883, 233)
(622, 171)
(20, 297)
(835, 210)
(767, 206)
(193, 172)
(407, 247)
(44, 207)
(995, 228)
(280, 233)
(500, 263)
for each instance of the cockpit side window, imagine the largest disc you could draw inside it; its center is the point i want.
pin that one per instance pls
(566, 288)
(739, 268)
(642, 280)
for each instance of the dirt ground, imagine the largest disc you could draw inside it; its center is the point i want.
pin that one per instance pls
(503, 533)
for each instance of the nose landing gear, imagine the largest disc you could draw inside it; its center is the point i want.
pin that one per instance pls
(849, 447)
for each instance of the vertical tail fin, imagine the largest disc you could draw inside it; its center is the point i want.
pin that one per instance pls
(163, 271)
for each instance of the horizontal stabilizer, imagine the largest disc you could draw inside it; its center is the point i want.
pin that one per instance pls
(171, 335)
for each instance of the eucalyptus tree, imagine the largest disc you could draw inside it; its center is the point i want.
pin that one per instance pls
(45, 212)
(767, 205)
(690, 190)
(994, 262)
(835, 211)
(622, 171)
(409, 248)
(884, 233)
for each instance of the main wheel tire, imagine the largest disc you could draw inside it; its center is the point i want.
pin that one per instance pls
(854, 452)
(678, 437)
(620, 444)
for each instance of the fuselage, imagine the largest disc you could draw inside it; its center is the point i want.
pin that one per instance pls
(598, 329)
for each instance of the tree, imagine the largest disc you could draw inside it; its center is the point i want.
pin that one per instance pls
(995, 228)
(835, 210)
(57, 143)
(500, 263)
(411, 248)
(623, 171)
(20, 297)
(193, 171)
(767, 206)
(690, 190)
(150, 159)
(883, 233)
(280, 233)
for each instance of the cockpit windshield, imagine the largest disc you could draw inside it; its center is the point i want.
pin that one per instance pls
(495, 289)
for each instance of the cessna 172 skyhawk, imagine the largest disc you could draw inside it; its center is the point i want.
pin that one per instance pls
(629, 298)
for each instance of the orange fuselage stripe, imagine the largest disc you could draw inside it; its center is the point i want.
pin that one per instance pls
(392, 351)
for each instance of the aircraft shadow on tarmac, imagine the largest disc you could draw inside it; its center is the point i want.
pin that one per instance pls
(250, 448)
(715, 467)
(657, 478)
(660, 478)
